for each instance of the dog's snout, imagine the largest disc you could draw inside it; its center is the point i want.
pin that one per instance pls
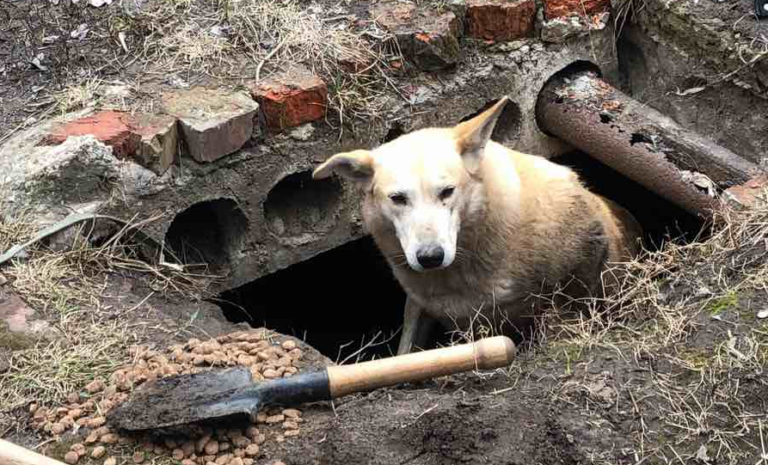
(430, 256)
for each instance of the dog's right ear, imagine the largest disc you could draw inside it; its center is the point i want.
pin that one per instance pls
(357, 166)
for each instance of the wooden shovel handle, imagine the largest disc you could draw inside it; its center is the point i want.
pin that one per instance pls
(487, 353)
(11, 454)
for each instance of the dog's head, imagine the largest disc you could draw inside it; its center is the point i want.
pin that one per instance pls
(421, 185)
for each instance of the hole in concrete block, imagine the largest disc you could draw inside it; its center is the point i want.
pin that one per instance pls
(336, 301)
(300, 205)
(207, 232)
(507, 126)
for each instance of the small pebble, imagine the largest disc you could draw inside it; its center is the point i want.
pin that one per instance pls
(73, 398)
(94, 386)
(247, 461)
(252, 432)
(762, 314)
(290, 425)
(58, 428)
(76, 413)
(98, 452)
(71, 457)
(138, 457)
(252, 450)
(96, 422)
(241, 441)
(188, 462)
(91, 438)
(270, 374)
(236, 461)
(188, 448)
(212, 447)
(110, 438)
(289, 345)
(224, 446)
(78, 448)
(110, 461)
(32, 408)
(223, 459)
(292, 413)
(275, 419)
(177, 454)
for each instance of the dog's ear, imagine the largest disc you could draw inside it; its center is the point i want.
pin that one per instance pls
(473, 135)
(357, 166)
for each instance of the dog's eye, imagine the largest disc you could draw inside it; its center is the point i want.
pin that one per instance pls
(398, 199)
(447, 192)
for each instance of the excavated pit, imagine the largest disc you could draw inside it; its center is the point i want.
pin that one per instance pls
(341, 300)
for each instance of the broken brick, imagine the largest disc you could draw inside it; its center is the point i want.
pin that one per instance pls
(292, 98)
(748, 194)
(501, 20)
(159, 137)
(561, 8)
(112, 128)
(428, 38)
(214, 123)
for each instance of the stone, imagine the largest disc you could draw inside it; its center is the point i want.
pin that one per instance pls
(500, 20)
(71, 457)
(214, 123)
(16, 317)
(559, 8)
(749, 194)
(159, 139)
(112, 128)
(559, 30)
(427, 37)
(291, 98)
(95, 386)
(98, 452)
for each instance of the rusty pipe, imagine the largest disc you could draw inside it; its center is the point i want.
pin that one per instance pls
(639, 142)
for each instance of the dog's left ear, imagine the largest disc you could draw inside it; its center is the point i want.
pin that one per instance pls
(357, 166)
(473, 135)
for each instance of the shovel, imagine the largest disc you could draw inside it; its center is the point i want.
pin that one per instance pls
(218, 394)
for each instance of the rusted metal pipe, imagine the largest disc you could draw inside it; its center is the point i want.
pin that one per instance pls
(639, 142)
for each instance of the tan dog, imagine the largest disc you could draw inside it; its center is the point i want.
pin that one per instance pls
(472, 229)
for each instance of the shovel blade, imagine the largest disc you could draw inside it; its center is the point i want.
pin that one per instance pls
(183, 399)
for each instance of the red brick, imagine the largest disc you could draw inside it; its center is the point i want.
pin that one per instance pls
(560, 8)
(501, 20)
(750, 193)
(291, 99)
(112, 128)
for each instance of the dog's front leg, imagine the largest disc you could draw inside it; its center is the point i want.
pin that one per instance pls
(417, 328)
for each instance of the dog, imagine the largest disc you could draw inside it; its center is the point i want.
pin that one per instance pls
(474, 231)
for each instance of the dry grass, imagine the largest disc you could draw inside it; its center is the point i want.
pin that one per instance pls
(66, 288)
(250, 39)
(666, 315)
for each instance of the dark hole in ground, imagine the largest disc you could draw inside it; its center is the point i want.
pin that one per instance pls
(394, 132)
(344, 296)
(662, 220)
(207, 232)
(349, 294)
(300, 205)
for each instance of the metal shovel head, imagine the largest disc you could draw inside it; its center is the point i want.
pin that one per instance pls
(183, 399)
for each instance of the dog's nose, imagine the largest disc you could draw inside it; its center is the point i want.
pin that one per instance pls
(430, 256)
